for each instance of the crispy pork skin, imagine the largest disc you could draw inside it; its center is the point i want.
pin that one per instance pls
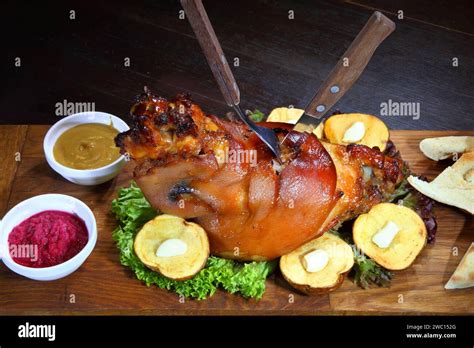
(219, 174)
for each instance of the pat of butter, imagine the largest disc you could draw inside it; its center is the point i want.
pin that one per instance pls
(384, 237)
(315, 260)
(354, 133)
(172, 247)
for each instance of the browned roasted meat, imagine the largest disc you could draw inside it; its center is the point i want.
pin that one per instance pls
(218, 173)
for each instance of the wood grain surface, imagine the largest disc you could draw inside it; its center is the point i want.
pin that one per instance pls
(11, 143)
(281, 61)
(103, 286)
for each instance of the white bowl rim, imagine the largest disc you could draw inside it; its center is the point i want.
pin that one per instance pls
(85, 252)
(70, 170)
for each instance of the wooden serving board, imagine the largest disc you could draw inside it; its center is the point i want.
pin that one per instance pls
(103, 286)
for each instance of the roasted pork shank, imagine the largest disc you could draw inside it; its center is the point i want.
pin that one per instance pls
(217, 173)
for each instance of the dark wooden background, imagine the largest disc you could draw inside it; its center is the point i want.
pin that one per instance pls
(282, 61)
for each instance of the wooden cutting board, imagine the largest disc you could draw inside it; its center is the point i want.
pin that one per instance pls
(103, 286)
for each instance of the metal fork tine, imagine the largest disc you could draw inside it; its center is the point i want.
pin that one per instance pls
(265, 134)
(197, 16)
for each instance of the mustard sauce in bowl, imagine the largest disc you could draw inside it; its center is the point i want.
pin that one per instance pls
(87, 146)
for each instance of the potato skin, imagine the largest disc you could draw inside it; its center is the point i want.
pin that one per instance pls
(308, 290)
(156, 269)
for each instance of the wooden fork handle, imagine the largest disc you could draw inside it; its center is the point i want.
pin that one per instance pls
(206, 36)
(351, 65)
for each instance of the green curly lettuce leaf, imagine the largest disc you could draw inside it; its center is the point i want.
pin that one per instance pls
(365, 272)
(132, 210)
(256, 115)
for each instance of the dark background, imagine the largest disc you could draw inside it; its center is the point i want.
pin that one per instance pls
(282, 61)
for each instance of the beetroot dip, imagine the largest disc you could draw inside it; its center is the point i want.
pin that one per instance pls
(55, 236)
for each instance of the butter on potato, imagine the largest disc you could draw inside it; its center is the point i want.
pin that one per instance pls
(324, 275)
(172, 247)
(362, 129)
(405, 245)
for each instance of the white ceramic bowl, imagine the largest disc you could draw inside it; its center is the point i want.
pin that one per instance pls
(83, 176)
(35, 205)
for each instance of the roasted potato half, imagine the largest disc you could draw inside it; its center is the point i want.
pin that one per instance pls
(291, 115)
(362, 129)
(391, 235)
(319, 266)
(172, 246)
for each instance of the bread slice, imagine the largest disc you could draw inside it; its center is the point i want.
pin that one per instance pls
(463, 276)
(454, 186)
(444, 147)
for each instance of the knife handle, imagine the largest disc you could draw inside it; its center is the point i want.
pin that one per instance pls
(351, 65)
(206, 36)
